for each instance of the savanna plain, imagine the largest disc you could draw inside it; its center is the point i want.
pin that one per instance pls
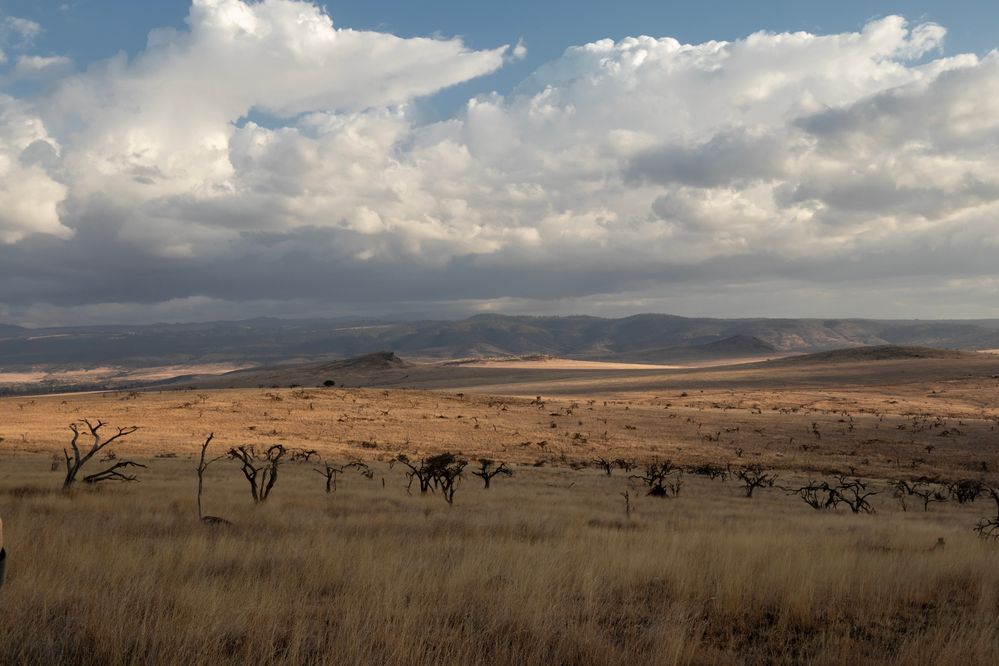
(827, 510)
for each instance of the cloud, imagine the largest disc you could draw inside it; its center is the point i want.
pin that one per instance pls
(19, 31)
(38, 68)
(29, 194)
(263, 154)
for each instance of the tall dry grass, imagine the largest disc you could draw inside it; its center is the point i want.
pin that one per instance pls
(544, 568)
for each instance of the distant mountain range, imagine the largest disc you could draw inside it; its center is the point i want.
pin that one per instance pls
(641, 338)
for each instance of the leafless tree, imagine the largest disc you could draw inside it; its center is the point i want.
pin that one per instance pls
(627, 503)
(625, 464)
(711, 471)
(988, 528)
(114, 473)
(260, 469)
(202, 466)
(488, 469)
(663, 479)
(816, 494)
(754, 476)
(854, 493)
(79, 458)
(331, 471)
(304, 455)
(606, 465)
(926, 490)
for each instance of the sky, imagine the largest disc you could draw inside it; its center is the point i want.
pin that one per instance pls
(225, 159)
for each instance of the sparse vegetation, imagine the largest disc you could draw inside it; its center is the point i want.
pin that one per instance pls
(80, 457)
(564, 564)
(259, 468)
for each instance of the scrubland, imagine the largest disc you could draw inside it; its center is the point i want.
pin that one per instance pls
(544, 567)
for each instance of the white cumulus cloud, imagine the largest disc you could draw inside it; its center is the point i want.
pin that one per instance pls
(263, 151)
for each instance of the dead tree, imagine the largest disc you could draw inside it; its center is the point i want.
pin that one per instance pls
(924, 489)
(304, 455)
(80, 458)
(488, 469)
(988, 528)
(854, 493)
(113, 473)
(331, 471)
(624, 464)
(663, 479)
(754, 477)
(260, 469)
(711, 471)
(606, 465)
(202, 466)
(817, 494)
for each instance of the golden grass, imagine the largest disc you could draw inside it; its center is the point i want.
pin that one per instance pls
(944, 428)
(543, 568)
(533, 571)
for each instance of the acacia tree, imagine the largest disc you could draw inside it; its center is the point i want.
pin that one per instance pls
(488, 470)
(442, 472)
(418, 471)
(447, 470)
(260, 469)
(79, 457)
(966, 490)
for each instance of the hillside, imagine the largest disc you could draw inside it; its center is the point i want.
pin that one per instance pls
(648, 338)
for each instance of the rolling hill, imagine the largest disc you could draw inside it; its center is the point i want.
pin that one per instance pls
(649, 338)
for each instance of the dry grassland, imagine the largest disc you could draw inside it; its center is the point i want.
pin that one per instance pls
(545, 567)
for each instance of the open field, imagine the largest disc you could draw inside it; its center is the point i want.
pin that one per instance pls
(544, 567)
(67, 379)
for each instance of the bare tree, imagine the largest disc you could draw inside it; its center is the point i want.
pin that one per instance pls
(816, 494)
(711, 471)
(627, 503)
(202, 466)
(988, 528)
(304, 455)
(114, 473)
(80, 458)
(754, 476)
(625, 464)
(331, 471)
(924, 489)
(604, 464)
(260, 469)
(663, 479)
(854, 493)
(488, 469)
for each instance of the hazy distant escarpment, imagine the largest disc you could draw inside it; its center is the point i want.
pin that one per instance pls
(646, 338)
